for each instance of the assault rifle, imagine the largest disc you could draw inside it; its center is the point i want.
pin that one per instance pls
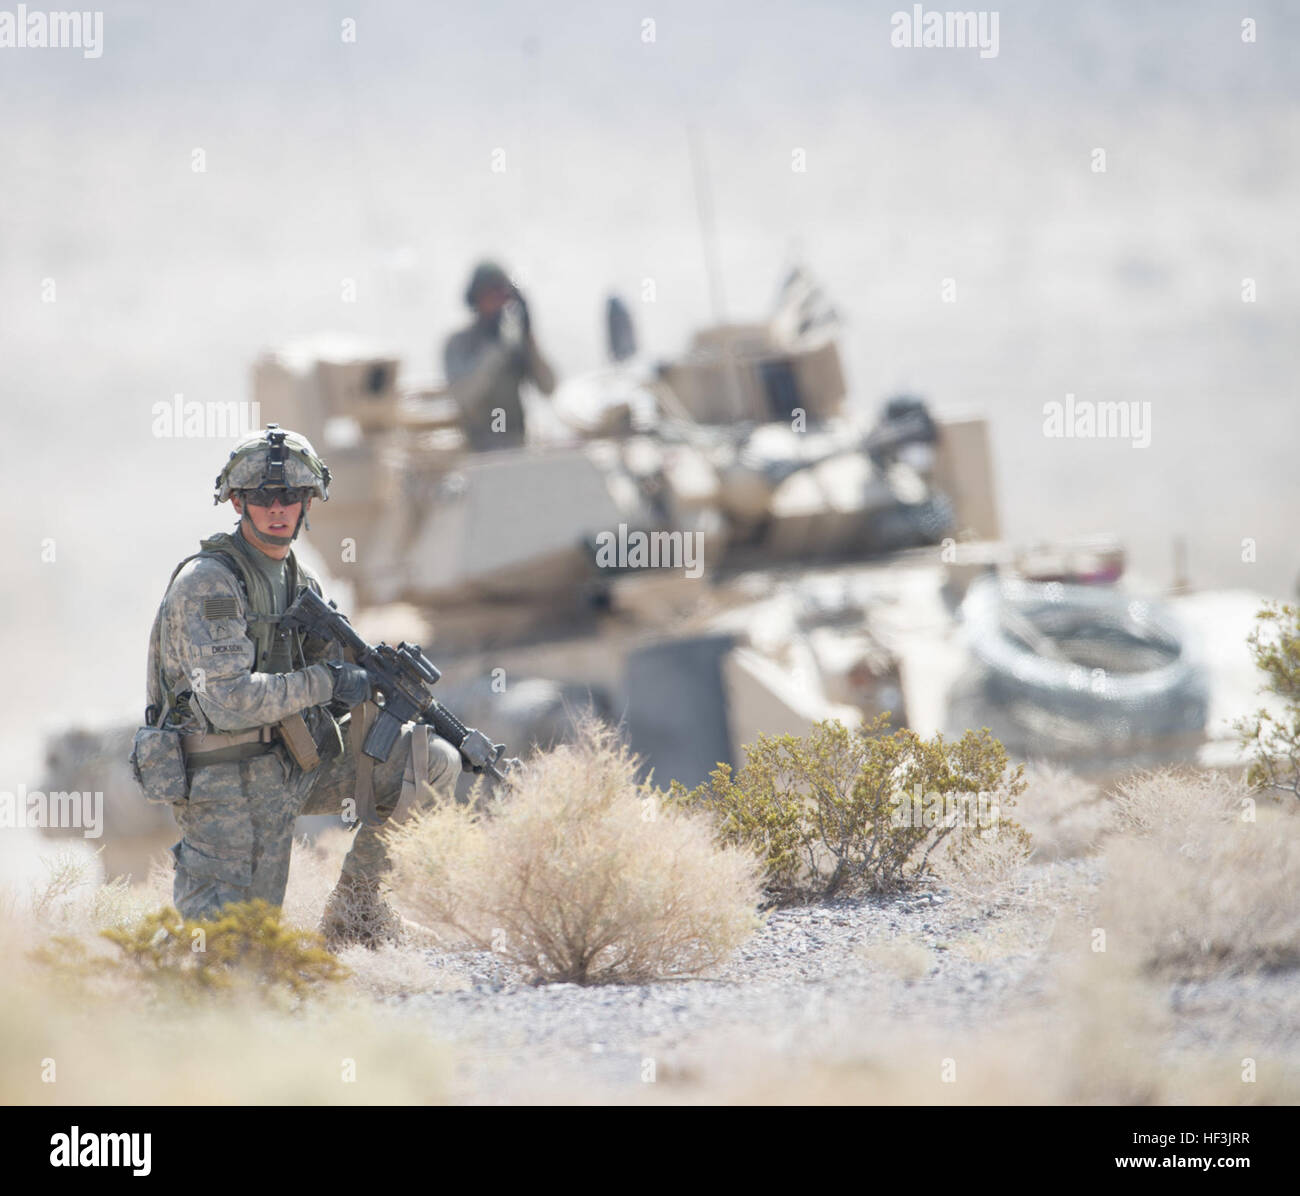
(403, 677)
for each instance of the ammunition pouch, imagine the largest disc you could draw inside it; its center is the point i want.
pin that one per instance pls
(158, 764)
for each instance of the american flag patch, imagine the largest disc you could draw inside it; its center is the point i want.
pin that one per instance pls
(224, 607)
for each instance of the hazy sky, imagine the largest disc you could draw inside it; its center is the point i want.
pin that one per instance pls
(372, 161)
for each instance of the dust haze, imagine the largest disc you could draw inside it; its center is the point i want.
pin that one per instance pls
(371, 162)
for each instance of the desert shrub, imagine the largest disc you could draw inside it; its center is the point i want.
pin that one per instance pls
(71, 896)
(66, 873)
(1199, 882)
(1273, 739)
(1066, 814)
(580, 874)
(1227, 903)
(844, 812)
(246, 947)
(1176, 802)
(392, 970)
(987, 869)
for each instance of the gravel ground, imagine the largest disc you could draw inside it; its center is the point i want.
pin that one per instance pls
(811, 977)
(819, 983)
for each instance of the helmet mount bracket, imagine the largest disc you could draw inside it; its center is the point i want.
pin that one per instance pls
(275, 456)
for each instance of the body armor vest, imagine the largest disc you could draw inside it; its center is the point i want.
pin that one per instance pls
(275, 650)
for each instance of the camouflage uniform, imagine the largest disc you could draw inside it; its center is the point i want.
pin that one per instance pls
(237, 823)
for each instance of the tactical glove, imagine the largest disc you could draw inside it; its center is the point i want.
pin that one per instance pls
(351, 683)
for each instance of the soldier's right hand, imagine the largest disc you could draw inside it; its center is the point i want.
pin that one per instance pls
(351, 683)
(524, 318)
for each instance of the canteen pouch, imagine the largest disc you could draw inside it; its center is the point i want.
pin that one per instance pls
(158, 764)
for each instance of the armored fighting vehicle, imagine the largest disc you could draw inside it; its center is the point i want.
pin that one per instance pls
(701, 549)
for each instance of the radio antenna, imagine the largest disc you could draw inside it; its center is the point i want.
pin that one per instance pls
(708, 231)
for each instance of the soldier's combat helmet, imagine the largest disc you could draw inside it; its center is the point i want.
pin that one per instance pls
(274, 459)
(486, 274)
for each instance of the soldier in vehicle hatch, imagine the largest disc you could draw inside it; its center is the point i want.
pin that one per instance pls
(486, 363)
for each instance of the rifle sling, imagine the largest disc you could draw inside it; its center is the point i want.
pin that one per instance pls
(364, 793)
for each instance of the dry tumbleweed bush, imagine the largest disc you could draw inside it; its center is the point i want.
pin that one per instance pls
(580, 873)
(1067, 815)
(1175, 803)
(1225, 900)
(1201, 881)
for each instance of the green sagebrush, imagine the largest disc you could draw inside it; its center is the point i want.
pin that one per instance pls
(1273, 740)
(835, 813)
(246, 946)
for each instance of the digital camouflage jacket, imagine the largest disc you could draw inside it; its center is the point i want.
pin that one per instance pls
(216, 637)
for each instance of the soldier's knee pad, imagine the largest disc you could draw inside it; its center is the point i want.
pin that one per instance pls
(444, 761)
(434, 761)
